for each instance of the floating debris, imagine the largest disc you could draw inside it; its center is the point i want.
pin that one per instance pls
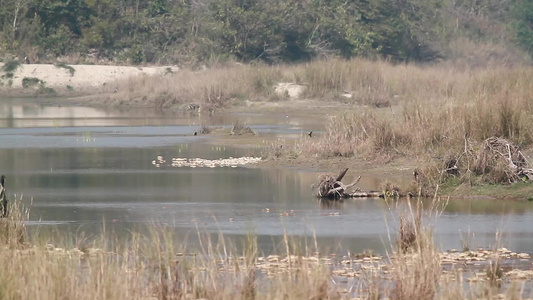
(453, 256)
(206, 163)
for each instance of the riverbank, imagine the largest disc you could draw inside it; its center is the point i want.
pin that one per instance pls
(65, 80)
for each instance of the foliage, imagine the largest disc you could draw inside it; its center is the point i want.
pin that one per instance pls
(10, 66)
(200, 31)
(28, 82)
(523, 24)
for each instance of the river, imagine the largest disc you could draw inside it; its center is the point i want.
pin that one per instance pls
(83, 170)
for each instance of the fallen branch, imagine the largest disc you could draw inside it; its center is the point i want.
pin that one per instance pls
(330, 187)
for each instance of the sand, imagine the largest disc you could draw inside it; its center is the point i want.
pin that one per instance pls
(84, 77)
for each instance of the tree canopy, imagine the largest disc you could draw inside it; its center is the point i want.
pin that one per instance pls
(272, 31)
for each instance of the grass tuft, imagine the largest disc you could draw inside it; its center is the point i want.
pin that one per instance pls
(416, 266)
(65, 66)
(13, 229)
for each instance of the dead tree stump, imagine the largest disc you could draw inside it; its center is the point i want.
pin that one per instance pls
(330, 187)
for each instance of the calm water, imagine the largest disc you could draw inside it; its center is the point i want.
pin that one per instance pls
(83, 167)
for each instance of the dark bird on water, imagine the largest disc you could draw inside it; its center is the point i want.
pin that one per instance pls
(196, 133)
(3, 196)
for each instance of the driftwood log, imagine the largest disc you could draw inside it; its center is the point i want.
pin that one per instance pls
(331, 187)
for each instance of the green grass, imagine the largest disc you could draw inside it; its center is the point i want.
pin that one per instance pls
(65, 66)
(516, 191)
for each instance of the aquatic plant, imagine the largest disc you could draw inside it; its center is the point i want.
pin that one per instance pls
(87, 137)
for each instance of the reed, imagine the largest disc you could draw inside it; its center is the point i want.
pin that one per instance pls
(416, 267)
(13, 228)
(156, 266)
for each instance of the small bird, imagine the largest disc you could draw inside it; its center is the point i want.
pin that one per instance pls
(310, 134)
(196, 133)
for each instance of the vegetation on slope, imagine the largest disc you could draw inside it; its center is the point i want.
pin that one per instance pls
(273, 31)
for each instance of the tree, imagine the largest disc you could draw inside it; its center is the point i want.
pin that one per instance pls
(522, 10)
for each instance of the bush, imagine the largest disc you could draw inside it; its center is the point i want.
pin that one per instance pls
(28, 82)
(46, 91)
(10, 66)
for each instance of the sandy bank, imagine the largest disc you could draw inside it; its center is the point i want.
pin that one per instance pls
(84, 77)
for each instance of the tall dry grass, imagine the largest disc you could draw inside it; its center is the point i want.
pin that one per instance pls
(367, 82)
(211, 89)
(13, 228)
(156, 266)
(434, 109)
(375, 82)
(415, 264)
(423, 107)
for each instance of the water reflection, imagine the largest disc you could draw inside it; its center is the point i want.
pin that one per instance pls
(20, 113)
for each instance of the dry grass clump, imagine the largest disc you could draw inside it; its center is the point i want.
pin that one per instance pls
(495, 161)
(240, 128)
(499, 161)
(416, 266)
(13, 229)
(352, 133)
